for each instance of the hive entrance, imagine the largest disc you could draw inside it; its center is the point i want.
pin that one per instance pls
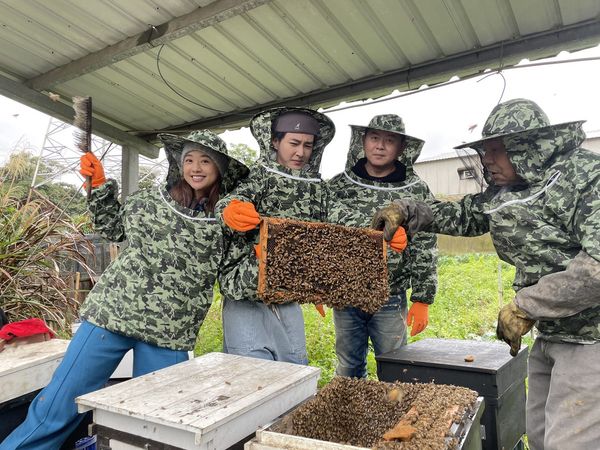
(310, 262)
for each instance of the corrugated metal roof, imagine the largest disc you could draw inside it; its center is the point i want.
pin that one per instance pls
(227, 59)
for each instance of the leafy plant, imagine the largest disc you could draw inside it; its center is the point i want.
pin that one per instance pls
(36, 240)
(18, 172)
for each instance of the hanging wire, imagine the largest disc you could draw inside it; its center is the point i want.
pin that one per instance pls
(175, 90)
(499, 72)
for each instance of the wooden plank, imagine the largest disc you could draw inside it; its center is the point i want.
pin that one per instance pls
(163, 401)
(29, 367)
(288, 441)
(209, 402)
(24, 356)
(252, 390)
(194, 369)
(197, 394)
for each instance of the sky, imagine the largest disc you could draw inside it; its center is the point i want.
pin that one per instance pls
(443, 116)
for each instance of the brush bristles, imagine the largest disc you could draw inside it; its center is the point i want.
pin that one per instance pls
(83, 121)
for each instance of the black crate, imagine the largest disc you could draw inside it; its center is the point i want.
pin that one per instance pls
(494, 374)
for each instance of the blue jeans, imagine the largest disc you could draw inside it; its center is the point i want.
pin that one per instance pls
(354, 327)
(92, 356)
(257, 330)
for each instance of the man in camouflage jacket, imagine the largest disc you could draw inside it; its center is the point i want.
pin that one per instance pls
(250, 327)
(542, 208)
(152, 299)
(379, 169)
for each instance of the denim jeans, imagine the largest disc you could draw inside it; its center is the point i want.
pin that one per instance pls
(258, 330)
(92, 356)
(354, 327)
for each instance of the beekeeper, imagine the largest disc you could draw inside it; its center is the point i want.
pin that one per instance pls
(542, 208)
(285, 182)
(379, 169)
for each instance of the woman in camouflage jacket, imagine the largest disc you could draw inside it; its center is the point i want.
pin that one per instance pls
(153, 298)
(250, 327)
(542, 208)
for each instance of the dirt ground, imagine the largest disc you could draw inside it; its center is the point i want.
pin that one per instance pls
(360, 412)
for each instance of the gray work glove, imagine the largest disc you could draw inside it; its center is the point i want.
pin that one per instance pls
(412, 215)
(513, 323)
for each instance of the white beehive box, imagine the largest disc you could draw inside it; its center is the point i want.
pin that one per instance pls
(269, 436)
(210, 402)
(29, 367)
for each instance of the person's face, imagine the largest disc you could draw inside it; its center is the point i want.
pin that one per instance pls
(294, 149)
(495, 159)
(382, 148)
(200, 172)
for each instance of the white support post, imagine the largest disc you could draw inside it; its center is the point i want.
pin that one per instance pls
(130, 171)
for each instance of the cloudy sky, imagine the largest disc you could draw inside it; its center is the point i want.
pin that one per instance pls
(443, 117)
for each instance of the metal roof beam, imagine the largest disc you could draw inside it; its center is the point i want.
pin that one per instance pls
(203, 17)
(541, 45)
(22, 94)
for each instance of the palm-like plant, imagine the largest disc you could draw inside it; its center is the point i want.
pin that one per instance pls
(37, 241)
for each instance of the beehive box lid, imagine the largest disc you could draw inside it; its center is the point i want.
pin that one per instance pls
(489, 358)
(29, 367)
(322, 263)
(208, 402)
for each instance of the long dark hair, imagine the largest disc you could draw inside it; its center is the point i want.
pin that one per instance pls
(183, 194)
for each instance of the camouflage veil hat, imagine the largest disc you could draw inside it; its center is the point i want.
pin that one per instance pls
(519, 116)
(391, 123)
(212, 143)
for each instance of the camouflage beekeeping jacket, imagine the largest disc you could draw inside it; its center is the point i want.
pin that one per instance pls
(549, 229)
(275, 191)
(160, 287)
(354, 200)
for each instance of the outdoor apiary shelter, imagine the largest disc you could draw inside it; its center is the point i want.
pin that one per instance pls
(180, 65)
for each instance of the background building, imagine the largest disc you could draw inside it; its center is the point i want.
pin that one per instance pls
(457, 174)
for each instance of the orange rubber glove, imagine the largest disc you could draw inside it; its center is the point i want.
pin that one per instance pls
(418, 317)
(241, 216)
(90, 166)
(399, 240)
(321, 310)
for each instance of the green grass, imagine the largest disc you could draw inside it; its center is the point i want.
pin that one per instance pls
(470, 293)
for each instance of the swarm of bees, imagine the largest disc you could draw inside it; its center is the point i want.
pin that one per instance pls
(359, 412)
(320, 263)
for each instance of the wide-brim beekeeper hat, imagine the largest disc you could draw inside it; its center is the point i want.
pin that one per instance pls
(519, 117)
(391, 123)
(177, 146)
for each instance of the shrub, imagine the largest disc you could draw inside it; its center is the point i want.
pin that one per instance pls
(36, 241)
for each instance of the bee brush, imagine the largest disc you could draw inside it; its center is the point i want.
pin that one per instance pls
(83, 135)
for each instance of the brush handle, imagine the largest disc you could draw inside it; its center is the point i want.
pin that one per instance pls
(88, 187)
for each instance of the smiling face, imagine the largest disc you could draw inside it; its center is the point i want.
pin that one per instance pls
(200, 172)
(294, 149)
(496, 161)
(382, 149)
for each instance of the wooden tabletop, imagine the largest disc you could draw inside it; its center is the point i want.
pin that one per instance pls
(204, 394)
(27, 368)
